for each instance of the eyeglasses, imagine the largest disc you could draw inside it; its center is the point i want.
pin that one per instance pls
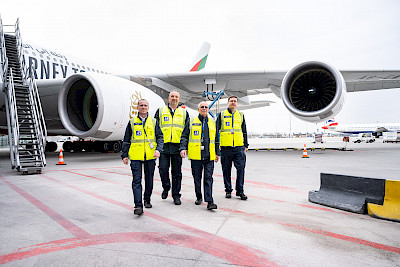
(203, 107)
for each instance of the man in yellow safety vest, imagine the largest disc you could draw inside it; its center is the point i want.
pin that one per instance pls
(233, 143)
(143, 142)
(172, 120)
(200, 142)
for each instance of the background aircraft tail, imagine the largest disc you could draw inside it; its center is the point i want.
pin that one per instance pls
(199, 61)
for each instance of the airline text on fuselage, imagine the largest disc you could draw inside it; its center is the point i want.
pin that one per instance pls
(47, 64)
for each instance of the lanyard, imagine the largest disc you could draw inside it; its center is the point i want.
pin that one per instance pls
(202, 130)
(144, 130)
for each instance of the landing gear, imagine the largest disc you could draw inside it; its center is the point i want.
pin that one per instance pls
(104, 147)
(98, 146)
(51, 146)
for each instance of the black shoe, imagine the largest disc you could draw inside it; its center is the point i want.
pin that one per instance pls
(164, 194)
(228, 195)
(138, 210)
(147, 204)
(211, 206)
(241, 195)
(198, 201)
(177, 201)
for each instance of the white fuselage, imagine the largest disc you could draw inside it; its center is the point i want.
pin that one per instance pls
(364, 128)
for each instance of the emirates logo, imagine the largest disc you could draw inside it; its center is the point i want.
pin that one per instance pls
(135, 97)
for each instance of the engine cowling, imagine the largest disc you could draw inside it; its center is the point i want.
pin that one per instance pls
(313, 91)
(99, 106)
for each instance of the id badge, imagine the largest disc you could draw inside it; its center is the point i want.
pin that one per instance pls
(232, 131)
(202, 147)
(151, 145)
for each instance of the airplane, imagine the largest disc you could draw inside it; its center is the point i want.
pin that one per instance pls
(375, 128)
(80, 100)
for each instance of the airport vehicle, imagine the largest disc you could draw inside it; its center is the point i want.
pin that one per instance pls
(364, 137)
(375, 128)
(391, 137)
(80, 100)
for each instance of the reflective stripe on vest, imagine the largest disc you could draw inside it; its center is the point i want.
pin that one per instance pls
(140, 146)
(231, 135)
(172, 127)
(194, 147)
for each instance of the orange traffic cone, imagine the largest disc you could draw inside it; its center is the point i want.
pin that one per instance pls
(61, 159)
(305, 152)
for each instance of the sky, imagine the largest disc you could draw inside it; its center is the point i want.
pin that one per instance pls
(148, 36)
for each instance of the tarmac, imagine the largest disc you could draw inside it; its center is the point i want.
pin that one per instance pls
(81, 214)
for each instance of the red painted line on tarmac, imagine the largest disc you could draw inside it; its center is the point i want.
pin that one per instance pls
(334, 235)
(301, 205)
(196, 243)
(68, 225)
(85, 169)
(230, 250)
(321, 232)
(261, 184)
(126, 174)
(273, 187)
(256, 197)
(143, 177)
(345, 237)
(89, 176)
(325, 209)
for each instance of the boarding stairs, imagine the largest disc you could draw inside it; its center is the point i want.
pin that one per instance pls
(26, 126)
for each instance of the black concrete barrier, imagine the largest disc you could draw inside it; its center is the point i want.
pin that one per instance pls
(350, 193)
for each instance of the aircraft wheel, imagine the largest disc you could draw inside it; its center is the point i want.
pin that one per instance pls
(51, 146)
(116, 147)
(67, 146)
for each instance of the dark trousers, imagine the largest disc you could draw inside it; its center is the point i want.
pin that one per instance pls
(136, 167)
(175, 161)
(238, 157)
(197, 168)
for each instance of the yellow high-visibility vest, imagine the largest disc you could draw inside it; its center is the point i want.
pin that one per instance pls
(172, 127)
(194, 147)
(141, 138)
(231, 130)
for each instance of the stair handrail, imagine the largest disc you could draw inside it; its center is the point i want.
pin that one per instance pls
(28, 78)
(20, 51)
(38, 103)
(4, 60)
(38, 115)
(12, 117)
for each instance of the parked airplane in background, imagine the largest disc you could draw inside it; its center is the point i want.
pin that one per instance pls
(375, 128)
(79, 99)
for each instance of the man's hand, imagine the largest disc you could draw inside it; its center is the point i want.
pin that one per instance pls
(125, 161)
(183, 153)
(156, 153)
(245, 149)
(216, 158)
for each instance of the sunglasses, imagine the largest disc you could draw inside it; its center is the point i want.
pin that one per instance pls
(203, 107)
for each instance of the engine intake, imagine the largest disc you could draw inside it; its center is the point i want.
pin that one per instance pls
(99, 106)
(313, 91)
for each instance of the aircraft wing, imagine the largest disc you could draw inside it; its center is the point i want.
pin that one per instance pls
(192, 85)
(371, 80)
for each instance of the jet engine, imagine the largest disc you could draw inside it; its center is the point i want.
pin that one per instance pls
(313, 91)
(99, 106)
